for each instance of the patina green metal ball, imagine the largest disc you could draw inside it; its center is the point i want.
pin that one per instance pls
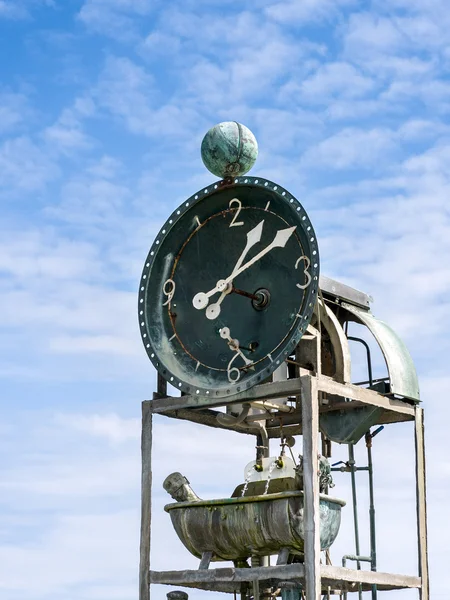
(229, 149)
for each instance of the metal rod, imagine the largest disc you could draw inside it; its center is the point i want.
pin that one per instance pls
(351, 462)
(146, 500)
(161, 387)
(369, 359)
(358, 558)
(243, 591)
(377, 380)
(246, 294)
(256, 589)
(373, 548)
(421, 504)
(348, 470)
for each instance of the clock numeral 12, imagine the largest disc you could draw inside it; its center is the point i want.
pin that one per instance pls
(239, 205)
(168, 292)
(305, 271)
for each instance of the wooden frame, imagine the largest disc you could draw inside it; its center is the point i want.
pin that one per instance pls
(305, 418)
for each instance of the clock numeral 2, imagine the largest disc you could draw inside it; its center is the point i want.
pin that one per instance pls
(239, 205)
(305, 271)
(168, 292)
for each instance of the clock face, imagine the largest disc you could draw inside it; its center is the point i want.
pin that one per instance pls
(228, 287)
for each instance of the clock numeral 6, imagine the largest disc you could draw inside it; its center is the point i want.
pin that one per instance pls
(239, 205)
(169, 291)
(305, 271)
(233, 373)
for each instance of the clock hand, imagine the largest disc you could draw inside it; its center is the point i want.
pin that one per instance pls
(200, 301)
(225, 334)
(280, 240)
(213, 310)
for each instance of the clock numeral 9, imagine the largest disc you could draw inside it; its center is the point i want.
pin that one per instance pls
(170, 283)
(239, 205)
(307, 264)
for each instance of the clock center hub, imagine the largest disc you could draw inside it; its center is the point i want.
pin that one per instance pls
(261, 300)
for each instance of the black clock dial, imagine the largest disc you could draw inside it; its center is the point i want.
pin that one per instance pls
(229, 287)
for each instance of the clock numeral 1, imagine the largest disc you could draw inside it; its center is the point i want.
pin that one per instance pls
(170, 283)
(305, 271)
(239, 205)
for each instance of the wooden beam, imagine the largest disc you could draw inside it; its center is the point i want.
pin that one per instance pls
(146, 498)
(354, 392)
(265, 391)
(421, 504)
(310, 427)
(385, 580)
(280, 389)
(229, 579)
(207, 416)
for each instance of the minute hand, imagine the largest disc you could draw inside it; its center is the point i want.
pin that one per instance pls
(280, 240)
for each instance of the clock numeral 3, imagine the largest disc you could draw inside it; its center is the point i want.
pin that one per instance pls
(305, 271)
(168, 292)
(239, 205)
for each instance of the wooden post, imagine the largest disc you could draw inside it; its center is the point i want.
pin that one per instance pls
(310, 426)
(146, 499)
(421, 504)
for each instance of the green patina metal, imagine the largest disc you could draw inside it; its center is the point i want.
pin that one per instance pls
(349, 427)
(400, 365)
(237, 528)
(229, 149)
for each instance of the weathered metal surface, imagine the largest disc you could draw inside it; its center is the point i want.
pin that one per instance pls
(401, 369)
(146, 501)
(350, 426)
(364, 395)
(179, 488)
(291, 387)
(185, 261)
(230, 580)
(337, 290)
(229, 149)
(177, 595)
(339, 344)
(236, 528)
(421, 505)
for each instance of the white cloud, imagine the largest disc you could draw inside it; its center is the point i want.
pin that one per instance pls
(351, 148)
(335, 79)
(306, 11)
(128, 92)
(24, 167)
(371, 166)
(14, 111)
(111, 427)
(20, 9)
(115, 18)
(368, 34)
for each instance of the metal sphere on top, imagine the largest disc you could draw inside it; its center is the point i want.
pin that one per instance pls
(229, 149)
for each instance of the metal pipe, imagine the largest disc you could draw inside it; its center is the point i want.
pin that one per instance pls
(225, 419)
(266, 405)
(369, 359)
(373, 548)
(348, 469)
(351, 463)
(354, 557)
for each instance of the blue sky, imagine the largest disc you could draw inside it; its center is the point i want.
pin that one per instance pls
(103, 105)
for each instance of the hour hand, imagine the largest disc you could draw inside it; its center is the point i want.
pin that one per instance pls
(201, 300)
(280, 240)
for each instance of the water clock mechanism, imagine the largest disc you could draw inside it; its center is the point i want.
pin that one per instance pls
(235, 316)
